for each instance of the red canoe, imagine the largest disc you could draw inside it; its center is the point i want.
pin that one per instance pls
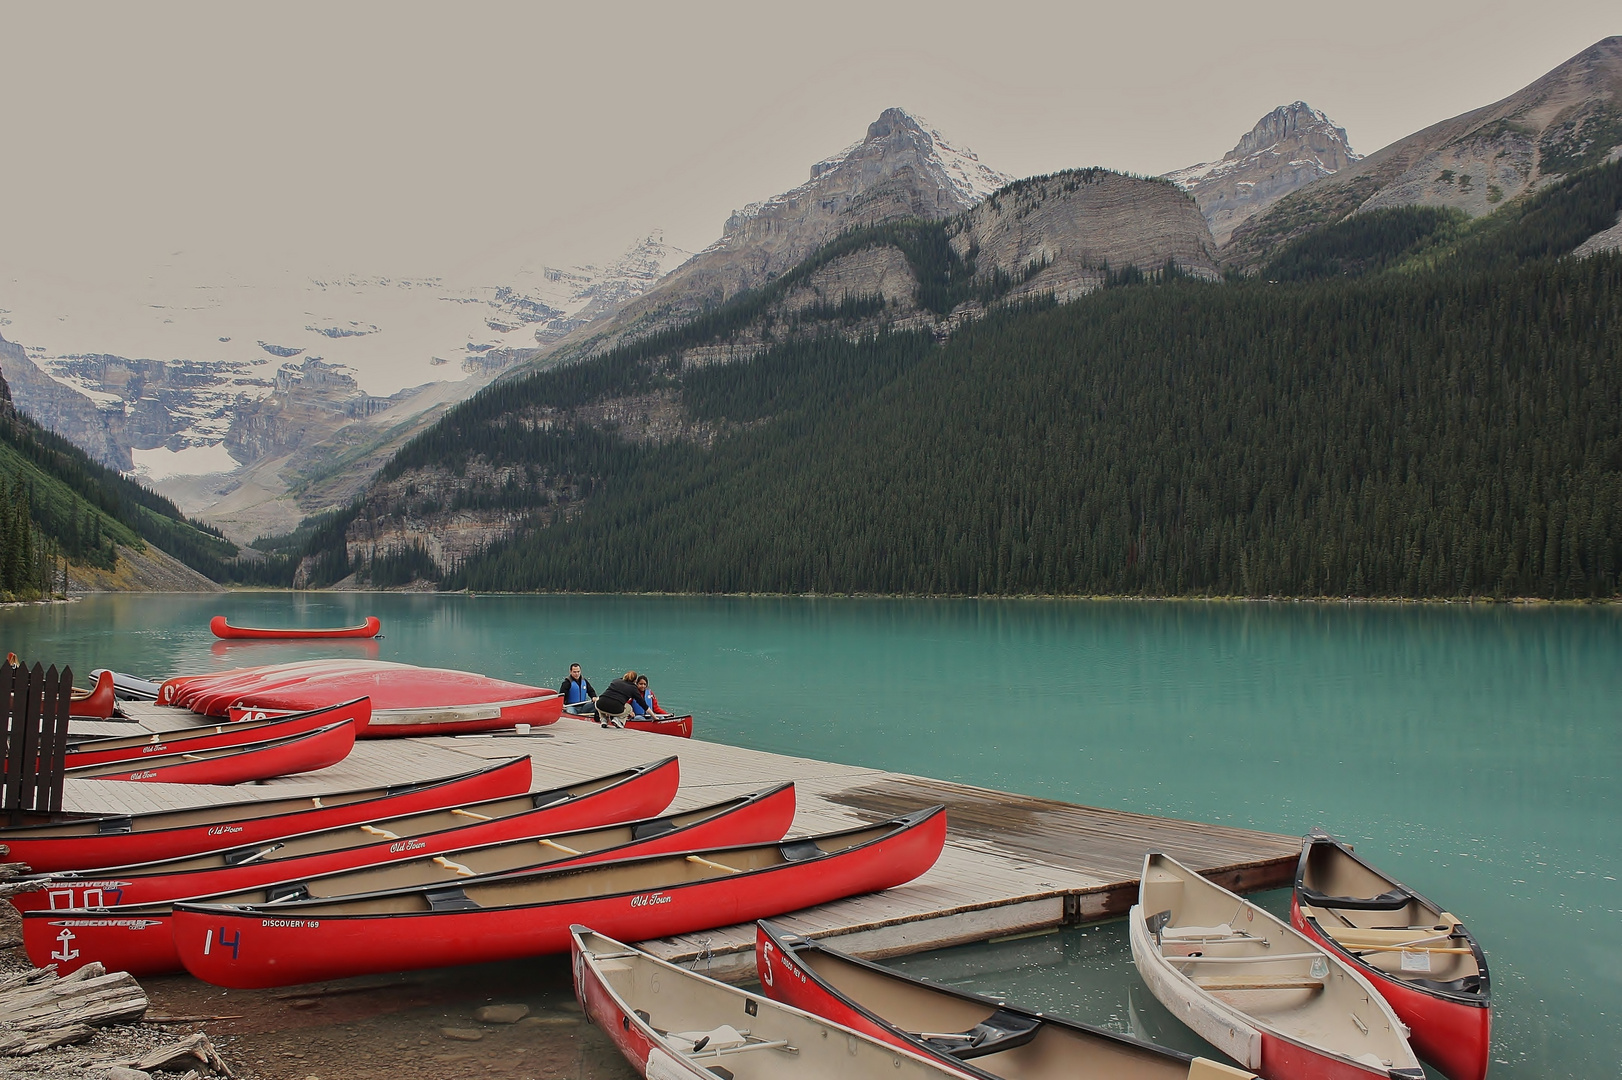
(223, 629)
(513, 916)
(226, 765)
(1422, 960)
(982, 1037)
(214, 736)
(112, 839)
(97, 703)
(406, 700)
(679, 726)
(620, 796)
(140, 939)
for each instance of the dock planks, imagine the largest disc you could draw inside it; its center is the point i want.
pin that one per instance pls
(1012, 864)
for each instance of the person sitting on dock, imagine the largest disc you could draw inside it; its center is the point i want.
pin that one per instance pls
(577, 689)
(645, 704)
(614, 704)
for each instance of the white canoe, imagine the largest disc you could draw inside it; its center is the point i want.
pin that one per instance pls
(672, 1024)
(1258, 989)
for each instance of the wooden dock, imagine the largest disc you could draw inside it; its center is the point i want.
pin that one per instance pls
(1013, 863)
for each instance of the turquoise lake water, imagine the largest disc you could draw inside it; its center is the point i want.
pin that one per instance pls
(1473, 752)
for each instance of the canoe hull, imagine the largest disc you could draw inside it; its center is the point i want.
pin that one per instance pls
(306, 752)
(1451, 1035)
(126, 840)
(224, 630)
(140, 940)
(255, 948)
(216, 736)
(645, 792)
(679, 726)
(99, 703)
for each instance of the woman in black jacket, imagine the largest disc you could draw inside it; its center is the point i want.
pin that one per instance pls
(614, 704)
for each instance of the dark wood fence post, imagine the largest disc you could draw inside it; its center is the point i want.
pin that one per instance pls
(36, 737)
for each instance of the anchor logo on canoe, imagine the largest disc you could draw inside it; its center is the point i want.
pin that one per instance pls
(68, 952)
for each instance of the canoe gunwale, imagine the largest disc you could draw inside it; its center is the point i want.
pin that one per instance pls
(1480, 1000)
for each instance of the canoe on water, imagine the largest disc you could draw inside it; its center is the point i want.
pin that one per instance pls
(225, 765)
(673, 1024)
(406, 699)
(1421, 959)
(663, 724)
(1256, 988)
(114, 839)
(139, 939)
(223, 629)
(979, 1036)
(512, 916)
(620, 796)
(213, 736)
(96, 703)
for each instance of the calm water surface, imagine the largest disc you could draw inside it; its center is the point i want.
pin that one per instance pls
(1473, 752)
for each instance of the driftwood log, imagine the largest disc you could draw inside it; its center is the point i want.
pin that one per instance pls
(188, 1053)
(39, 1010)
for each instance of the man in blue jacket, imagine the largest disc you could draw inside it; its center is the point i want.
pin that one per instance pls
(577, 688)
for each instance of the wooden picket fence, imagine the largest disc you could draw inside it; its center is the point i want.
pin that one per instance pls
(35, 715)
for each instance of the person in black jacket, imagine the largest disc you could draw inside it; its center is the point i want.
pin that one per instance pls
(614, 704)
(577, 689)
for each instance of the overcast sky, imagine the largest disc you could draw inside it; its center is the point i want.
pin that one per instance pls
(456, 138)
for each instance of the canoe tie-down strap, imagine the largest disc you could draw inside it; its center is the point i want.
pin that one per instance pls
(1002, 1030)
(1392, 900)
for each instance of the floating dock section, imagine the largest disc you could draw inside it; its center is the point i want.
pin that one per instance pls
(1013, 864)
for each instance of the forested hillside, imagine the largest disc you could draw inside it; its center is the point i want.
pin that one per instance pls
(58, 507)
(1415, 406)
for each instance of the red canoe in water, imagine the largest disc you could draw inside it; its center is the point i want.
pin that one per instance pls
(96, 703)
(223, 629)
(509, 916)
(406, 699)
(140, 939)
(111, 840)
(213, 736)
(620, 796)
(661, 724)
(1421, 959)
(225, 765)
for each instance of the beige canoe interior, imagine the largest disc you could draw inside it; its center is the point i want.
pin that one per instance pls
(1411, 942)
(749, 1037)
(1057, 1053)
(456, 865)
(1266, 970)
(386, 829)
(607, 879)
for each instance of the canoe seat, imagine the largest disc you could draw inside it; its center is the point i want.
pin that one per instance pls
(243, 856)
(1391, 900)
(1221, 932)
(1257, 982)
(450, 898)
(800, 850)
(547, 798)
(1470, 984)
(113, 826)
(648, 829)
(724, 1037)
(281, 894)
(1002, 1030)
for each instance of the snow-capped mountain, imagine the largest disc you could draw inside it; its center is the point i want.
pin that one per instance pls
(902, 167)
(167, 368)
(1288, 148)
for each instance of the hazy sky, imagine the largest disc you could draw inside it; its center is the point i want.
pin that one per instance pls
(443, 140)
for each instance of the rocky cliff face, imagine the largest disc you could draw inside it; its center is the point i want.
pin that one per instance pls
(1072, 226)
(1288, 149)
(903, 167)
(98, 431)
(1567, 120)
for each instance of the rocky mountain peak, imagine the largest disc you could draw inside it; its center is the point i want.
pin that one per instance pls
(1288, 148)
